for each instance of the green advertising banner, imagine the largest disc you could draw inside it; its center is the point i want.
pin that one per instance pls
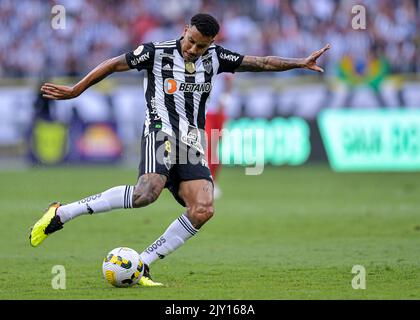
(371, 140)
(278, 141)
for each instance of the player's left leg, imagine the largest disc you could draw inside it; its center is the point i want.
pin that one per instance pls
(198, 198)
(192, 186)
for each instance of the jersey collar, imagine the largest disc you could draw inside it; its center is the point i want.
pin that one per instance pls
(178, 46)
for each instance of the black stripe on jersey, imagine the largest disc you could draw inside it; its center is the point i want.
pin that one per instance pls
(155, 121)
(169, 98)
(189, 99)
(201, 116)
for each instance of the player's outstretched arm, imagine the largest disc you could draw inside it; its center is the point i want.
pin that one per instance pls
(59, 92)
(273, 63)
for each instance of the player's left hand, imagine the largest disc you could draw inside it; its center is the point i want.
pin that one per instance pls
(58, 92)
(310, 62)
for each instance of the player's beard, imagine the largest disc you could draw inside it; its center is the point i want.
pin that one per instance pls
(189, 57)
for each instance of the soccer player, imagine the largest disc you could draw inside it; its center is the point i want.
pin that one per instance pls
(177, 84)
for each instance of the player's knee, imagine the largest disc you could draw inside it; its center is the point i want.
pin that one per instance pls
(142, 198)
(201, 213)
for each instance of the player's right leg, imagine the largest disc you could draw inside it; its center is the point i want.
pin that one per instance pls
(148, 188)
(146, 191)
(48, 224)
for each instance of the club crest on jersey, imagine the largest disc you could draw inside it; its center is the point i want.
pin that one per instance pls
(170, 86)
(207, 65)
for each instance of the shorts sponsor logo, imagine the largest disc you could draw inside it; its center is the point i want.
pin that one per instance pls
(192, 138)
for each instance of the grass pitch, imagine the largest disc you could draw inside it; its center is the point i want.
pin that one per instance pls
(290, 233)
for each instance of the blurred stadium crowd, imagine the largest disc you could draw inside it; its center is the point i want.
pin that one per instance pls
(98, 29)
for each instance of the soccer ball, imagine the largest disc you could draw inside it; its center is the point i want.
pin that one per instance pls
(122, 267)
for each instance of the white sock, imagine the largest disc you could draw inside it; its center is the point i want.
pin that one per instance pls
(114, 198)
(177, 233)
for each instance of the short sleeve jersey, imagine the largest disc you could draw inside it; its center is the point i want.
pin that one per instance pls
(176, 91)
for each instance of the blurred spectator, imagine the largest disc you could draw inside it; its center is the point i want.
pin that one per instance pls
(97, 29)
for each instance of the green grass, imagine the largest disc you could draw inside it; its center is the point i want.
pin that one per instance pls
(290, 233)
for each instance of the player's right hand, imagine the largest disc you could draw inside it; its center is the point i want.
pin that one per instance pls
(57, 92)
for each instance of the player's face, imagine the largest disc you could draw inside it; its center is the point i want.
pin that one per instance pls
(194, 44)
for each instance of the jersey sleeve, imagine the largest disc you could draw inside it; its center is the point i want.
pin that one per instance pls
(142, 57)
(229, 61)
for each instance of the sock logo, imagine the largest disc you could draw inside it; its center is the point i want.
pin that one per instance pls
(156, 245)
(161, 256)
(89, 209)
(91, 198)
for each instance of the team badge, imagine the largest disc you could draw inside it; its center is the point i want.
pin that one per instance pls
(207, 65)
(190, 67)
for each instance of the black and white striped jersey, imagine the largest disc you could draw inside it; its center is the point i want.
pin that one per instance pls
(176, 91)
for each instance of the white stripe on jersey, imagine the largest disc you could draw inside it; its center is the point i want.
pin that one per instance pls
(147, 118)
(167, 46)
(150, 158)
(146, 158)
(164, 43)
(153, 150)
(215, 63)
(160, 94)
(199, 78)
(178, 97)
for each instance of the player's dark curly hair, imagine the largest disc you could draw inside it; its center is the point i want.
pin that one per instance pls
(206, 24)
